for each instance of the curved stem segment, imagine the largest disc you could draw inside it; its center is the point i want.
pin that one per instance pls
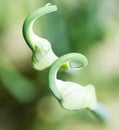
(28, 24)
(72, 57)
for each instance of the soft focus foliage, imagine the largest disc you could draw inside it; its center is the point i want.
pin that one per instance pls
(86, 26)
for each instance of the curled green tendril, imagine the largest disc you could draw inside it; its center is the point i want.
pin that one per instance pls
(43, 55)
(72, 96)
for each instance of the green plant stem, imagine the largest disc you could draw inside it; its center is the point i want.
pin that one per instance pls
(27, 26)
(101, 113)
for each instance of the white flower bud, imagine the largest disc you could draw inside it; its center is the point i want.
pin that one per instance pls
(43, 55)
(75, 96)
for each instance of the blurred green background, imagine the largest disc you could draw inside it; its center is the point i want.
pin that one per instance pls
(90, 27)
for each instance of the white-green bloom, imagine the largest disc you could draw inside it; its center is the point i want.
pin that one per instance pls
(43, 55)
(72, 96)
(75, 96)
